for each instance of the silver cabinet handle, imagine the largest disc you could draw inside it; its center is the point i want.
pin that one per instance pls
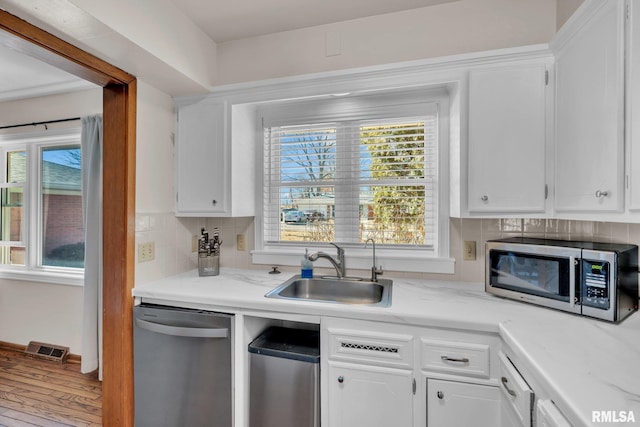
(504, 384)
(181, 331)
(453, 359)
(484, 198)
(440, 394)
(600, 193)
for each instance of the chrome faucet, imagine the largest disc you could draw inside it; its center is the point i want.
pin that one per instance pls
(375, 271)
(338, 265)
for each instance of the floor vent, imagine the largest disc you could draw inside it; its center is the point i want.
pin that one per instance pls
(47, 351)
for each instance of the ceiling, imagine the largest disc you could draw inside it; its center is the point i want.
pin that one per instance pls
(22, 76)
(223, 20)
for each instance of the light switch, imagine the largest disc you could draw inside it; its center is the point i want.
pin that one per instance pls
(469, 250)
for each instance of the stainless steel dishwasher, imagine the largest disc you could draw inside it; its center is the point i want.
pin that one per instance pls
(182, 367)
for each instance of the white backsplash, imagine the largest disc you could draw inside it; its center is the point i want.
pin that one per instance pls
(173, 236)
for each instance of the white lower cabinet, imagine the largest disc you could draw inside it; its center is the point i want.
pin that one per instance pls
(548, 415)
(369, 396)
(517, 396)
(460, 404)
(378, 374)
(369, 377)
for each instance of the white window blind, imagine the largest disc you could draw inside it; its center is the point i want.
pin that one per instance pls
(354, 179)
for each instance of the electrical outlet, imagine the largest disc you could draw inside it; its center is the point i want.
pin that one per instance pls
(146, 251)
(194, 243)
(469, 250)
(241, 242)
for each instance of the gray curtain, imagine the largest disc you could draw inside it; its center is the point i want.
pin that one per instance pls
(92, 214)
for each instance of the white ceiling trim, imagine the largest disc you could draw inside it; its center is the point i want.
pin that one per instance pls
(45, 90)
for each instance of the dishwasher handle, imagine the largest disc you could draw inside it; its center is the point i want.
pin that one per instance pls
(178, 331)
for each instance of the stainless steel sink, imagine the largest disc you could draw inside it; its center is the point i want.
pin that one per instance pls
(331, 289)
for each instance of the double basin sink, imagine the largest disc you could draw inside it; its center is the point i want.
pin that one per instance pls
(345, 290)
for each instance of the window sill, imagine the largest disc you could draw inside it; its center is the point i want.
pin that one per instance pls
(53, 277)
(406, 261)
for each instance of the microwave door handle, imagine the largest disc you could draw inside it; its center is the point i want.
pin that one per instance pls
(572, 281)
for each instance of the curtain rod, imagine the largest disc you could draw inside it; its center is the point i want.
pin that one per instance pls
(41, 123)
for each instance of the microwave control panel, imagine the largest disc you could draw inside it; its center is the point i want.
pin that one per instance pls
(595, 284)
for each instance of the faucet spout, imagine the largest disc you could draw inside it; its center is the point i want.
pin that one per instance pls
(339, 265)
(375, 271)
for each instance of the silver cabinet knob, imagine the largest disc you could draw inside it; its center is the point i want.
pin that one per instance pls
(484, 198)
(340, 379)
(440, 394)
(214, 202)
(600, 193)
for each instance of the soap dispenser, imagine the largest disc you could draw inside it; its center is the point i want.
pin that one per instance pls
(306, 266)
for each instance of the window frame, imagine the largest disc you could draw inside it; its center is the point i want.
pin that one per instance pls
(411, 259)
(33, 143)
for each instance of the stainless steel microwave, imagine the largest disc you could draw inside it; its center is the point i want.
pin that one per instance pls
(592, 279)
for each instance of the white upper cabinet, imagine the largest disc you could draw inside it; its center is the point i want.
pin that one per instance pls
(633, 103)
(214, 167)
(507, 138)
(589, 155)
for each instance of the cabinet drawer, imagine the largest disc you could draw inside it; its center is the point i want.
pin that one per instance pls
(455, 358)
(516, 393)
(395, 350)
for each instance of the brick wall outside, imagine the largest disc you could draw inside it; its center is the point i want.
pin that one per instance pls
(62, 221)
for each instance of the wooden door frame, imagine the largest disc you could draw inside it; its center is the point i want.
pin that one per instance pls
(118, 208)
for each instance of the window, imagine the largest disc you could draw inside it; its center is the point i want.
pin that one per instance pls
(347, 170)
(41, 205)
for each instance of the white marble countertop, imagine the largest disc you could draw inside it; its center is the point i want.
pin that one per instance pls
(588, 365)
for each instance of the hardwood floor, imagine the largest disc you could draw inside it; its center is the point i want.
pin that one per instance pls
(36, 392)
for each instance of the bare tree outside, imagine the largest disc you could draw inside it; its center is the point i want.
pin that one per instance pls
(392, 190)
(309, 156)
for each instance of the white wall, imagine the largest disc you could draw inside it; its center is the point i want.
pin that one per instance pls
(155, 220)
(45, 312)
(159, 28)
(452, 28)
(150, 39)
(565, 9)
(51, 107)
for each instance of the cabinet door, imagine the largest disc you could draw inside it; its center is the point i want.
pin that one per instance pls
(633, 104)
(548, 415)
(201, 164)
(590, 114)
(517, 397)
(458, 404)
(507, 139)
(369, 396)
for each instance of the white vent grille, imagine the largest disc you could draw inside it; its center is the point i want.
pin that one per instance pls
(369, 347)
(47, 351)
